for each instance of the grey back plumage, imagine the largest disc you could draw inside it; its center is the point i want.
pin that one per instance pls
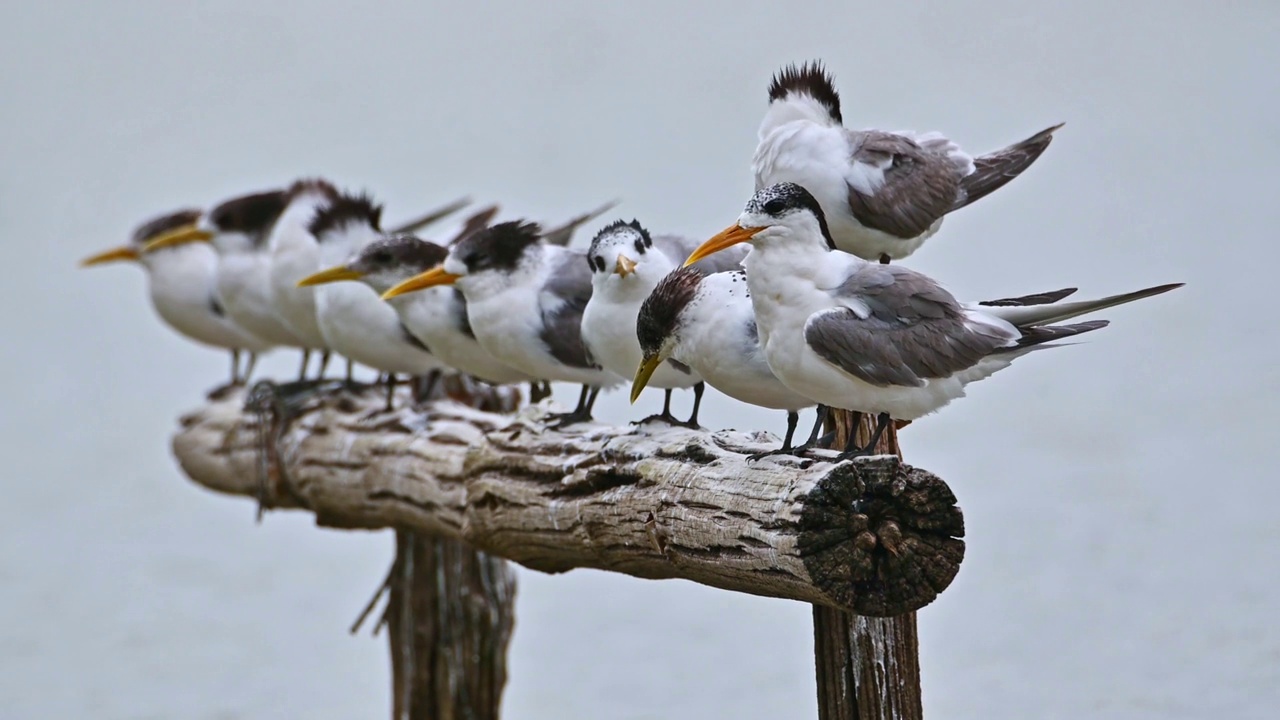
(569, 286)
(921, 182)
(914, 330)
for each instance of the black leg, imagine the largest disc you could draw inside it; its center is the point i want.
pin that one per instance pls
(539, 390)
(429, 382)
(324, 364)
(692, 422)
(248, 368)
(306, 360)
(582, 413)
(351, 369)
(391, 391)
(882, 422)
(793, 419)
(235, 366)
(799, 450)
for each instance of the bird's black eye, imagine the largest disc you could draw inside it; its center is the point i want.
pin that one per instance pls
(775, 206)
(640, 245)
(597, 263)
(382, 257)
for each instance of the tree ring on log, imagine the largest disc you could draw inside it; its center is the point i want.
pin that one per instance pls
(880, 536)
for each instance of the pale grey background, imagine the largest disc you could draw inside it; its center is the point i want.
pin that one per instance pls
(1120, 495)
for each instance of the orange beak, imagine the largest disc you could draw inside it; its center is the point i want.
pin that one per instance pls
(431, 278)
(119, 254)
(727, 238)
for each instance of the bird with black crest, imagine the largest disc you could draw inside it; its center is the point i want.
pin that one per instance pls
(353, 320)
(627, 263)
(181, 281)
(525, 299)
(884, 193)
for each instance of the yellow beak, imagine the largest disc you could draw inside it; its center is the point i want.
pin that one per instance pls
(431, 278)
(184, 234)
(625, 266)
(113, 255)
(727, 238)
(333, 274)
(643, 373)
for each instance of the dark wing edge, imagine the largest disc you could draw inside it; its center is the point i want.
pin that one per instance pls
(994, 170)
(570, 283)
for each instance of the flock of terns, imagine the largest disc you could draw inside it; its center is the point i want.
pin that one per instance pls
(799, 303)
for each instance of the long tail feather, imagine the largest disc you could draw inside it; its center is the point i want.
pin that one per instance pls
(436, 215)
(1034, 315)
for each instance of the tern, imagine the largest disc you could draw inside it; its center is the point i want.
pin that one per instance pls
(181, 283)
(354, 322)
(525, 299)
(707, 323)
(875, 338)
(238, 229)
(295, 254)
(627, 263)
(884, 193)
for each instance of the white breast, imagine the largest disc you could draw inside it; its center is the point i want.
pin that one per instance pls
(181, 285)
(429, 315)
(244, 287)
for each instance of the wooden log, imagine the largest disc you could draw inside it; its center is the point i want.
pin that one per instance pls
(872, 536)
(868, 668)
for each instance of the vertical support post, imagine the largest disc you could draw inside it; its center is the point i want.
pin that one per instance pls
(450, 617)
(867, 668)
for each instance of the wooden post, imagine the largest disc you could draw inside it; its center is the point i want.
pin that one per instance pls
(868, 668)
(450, 617)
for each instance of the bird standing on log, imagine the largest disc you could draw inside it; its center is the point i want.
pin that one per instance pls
(884, 193)
(627, 263)
(353, 320)
(873, 338)
(182, 284)
(238, 230)
(525, 299)
(707, 323)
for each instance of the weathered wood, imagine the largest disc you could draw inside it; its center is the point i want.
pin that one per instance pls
(873, 536)
(868, 668)
(450, 616)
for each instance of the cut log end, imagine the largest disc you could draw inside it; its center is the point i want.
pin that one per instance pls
(881, 537)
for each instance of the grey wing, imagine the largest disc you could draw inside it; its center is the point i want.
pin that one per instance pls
(570, 288)
(921, 182)
(910, 329)
(680, 247)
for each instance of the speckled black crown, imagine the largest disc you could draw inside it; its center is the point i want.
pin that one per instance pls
(499, 247)
(346, 210)
(660, 312)
(780, 198)
(156, 227)
(617, 225)
(811, 79)
(402, 251)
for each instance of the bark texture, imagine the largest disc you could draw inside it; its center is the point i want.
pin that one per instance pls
(868, 668)
(873, 536)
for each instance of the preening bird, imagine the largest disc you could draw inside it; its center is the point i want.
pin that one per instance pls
(874, 338)
(294, 255)
(181, 281)
(525, 300)
(707, 323)
(884, 193)
(627, 263)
